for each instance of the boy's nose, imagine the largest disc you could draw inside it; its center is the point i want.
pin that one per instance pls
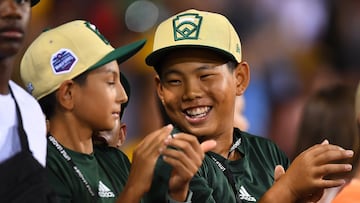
(122, 96)
(192, 90)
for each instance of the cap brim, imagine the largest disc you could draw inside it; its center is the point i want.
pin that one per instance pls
(120, 54)
(153, 58)
(34, 2)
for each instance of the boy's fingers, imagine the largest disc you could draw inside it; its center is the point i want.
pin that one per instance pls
(319, 149)
(335, 171)
(334, 155)
(332, 183)
(208, 145)
(278, 172)
(180, 161)
(325, 142)
(152, 142)
(192, 140)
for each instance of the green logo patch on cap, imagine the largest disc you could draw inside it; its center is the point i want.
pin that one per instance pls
(195, 29)
(238, 48)
(97, 32)
(187, 26)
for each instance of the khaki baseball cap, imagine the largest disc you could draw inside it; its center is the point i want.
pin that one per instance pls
(64, 52)
(196, 29)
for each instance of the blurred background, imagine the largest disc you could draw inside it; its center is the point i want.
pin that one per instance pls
(294, 47)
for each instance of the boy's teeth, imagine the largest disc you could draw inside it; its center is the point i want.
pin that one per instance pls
(201, 111)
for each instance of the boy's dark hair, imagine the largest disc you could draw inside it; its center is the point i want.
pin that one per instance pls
(49, 102)
(230, 64)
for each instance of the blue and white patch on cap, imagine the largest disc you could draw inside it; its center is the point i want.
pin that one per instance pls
(63, 61)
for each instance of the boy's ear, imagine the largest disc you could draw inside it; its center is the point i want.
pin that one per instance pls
(65, 94)
(122, 134)
(159, 88)
(242, 74)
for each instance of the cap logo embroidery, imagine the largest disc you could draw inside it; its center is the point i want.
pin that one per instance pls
(238, 50)
(97, 32)
(187, 26)
(63, 61)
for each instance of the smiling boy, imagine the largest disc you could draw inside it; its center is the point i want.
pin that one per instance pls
(73, 71)
(200, 72)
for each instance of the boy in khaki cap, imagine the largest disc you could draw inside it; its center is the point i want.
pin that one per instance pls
(200, 71)
(73, 71)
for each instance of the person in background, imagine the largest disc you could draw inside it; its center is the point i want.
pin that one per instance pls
(73, 71)
(329, 114)
(199, 68)
(22, 123)
(350, 193)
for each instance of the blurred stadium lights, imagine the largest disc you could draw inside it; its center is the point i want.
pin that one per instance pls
(141, 16)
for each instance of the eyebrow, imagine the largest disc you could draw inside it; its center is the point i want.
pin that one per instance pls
(209, 67)
(203, 67)
(111, 72)
(206, 67)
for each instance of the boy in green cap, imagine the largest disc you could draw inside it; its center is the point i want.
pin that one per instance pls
(73, 71)
(198, 60)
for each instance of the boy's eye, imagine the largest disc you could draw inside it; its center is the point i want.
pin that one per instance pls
(111, 82)
(174, 82)
(204, 76)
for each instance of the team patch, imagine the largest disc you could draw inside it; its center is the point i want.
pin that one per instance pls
(187, 26)
(63, 61)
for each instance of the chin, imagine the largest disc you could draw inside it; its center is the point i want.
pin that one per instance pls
(199, 132)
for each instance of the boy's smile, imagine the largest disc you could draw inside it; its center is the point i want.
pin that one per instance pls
(197, 114)
(198, 92)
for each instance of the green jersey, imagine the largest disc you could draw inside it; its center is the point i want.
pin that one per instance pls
(105, 171)
(253, 174)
